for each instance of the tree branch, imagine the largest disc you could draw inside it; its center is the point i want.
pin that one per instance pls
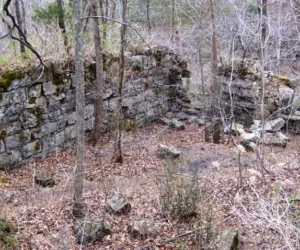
(120, 22)
(15, 25)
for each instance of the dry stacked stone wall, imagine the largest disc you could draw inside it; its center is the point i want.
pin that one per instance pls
(37, 106)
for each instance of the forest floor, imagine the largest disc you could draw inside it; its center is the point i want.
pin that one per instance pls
(44, 219)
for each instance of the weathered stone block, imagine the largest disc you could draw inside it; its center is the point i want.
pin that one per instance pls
(49, 88)
(35, 90)
(2, 146)
(17, 140)
(10, 158)
(32, 148)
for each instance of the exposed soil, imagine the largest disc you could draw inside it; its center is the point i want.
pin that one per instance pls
(44, 215)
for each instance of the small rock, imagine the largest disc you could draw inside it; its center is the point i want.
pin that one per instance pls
(278, 139)
(117, 204)
(272, 158)
(193, 119)
(142, 229)
(181, 116)
(8, 234)
(164, 121)
(250, 137)
(176, 125)
(274, 125)
(254, 172)
(240, 149)
(44, 179)
(89, 231)
(229, 240)
(168, 152)
(215, 164)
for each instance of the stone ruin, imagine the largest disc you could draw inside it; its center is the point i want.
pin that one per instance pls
(281, 109)
(37, 108)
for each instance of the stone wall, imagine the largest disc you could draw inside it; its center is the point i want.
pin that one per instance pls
(37, 108)
(282, 95)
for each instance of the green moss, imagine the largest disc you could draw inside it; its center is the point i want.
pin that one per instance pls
(8, 234)
(128, 125)
(7, 77)
(35, 111)
(105, 67)
(242, 72)
(58, 76)
(31, 100)
(285, 79)
(159, 90)
(37, 130)
(3, 134)
(37, 146)
(22, 137)
(57, 91)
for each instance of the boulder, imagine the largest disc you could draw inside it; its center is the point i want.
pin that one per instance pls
(236, 129)
(117, 204)
(142, 229)
(274, 125)
(250, 137)
(44, 179)
(168, 152)
(278, 139)
(285, 94)
(175, 124)
(88, 231)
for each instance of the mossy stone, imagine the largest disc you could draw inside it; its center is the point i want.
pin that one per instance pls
(37, 146)
(7, 77)
(31, 100)
(285, 79)
(7, 234)
(3, 134)
(44, 179)
(128, 125)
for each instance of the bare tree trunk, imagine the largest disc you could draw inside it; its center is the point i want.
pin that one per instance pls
(78, 208)
(105, 21)
(148, 15)
(118, 133)
(263, 80)
(214, 70)
(20, 24)
(24, 18)
(61, 24)
(99, 77)
(173, 20)
(113, 9)
(264, 16)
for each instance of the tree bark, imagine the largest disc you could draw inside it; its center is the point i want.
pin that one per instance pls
(173, 20)
(113, 9)
(118, 157)
(24, 18)
(78, 208)
(20, 24)
(215, 88)
(61, 24)
(99, 77)
(148, 15)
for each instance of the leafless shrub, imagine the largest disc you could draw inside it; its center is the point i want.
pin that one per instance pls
(278, 215)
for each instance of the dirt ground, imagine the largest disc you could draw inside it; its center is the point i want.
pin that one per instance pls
(44, 219)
